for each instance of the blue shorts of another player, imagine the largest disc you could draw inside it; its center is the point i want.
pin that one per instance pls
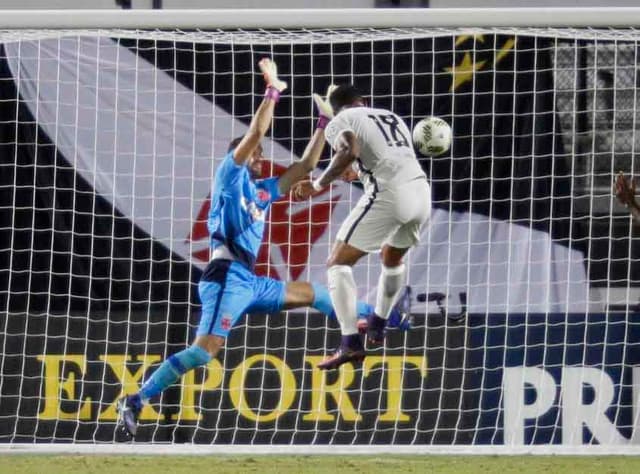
(228, 290)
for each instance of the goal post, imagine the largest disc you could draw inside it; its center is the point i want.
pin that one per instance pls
(525, 284)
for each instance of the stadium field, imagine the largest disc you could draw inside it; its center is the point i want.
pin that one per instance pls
(113, 464)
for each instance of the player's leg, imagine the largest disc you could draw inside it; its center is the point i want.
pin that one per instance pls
(344, 296)
(224, 293)
(413, 206)
(273, 296)
(391, 282)
(368, 225)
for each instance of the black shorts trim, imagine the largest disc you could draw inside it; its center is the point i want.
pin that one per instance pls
(216, 272)
(372, 198)
(357, 221)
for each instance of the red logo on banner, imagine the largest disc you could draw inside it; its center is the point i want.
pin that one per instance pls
(293, 235)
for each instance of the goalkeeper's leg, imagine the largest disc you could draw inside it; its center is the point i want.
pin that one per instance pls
(273, 296)
(224, 300)
(175, 366)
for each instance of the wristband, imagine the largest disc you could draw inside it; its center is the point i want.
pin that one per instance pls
(272, 93)
(315, 184)
(322, 122)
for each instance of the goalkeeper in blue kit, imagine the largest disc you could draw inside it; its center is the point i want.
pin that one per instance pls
(229, 287)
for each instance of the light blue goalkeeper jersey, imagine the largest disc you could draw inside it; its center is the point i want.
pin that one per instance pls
(239, 206)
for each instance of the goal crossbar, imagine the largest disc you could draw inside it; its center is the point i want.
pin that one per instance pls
(319, 18)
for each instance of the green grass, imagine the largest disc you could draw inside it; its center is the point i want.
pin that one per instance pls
(113, 464)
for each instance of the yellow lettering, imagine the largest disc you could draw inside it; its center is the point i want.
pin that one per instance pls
(395, 366)
(130, 383)
(320, 390)
(287, 383)
(54, 366)
(213, 379)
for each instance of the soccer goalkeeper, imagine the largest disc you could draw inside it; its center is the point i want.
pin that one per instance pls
(228, 287)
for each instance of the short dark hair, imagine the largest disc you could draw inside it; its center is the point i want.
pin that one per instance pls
(233, 144)
(342, 95)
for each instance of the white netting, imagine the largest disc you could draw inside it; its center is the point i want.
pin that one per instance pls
(320, 35)
(525, 283)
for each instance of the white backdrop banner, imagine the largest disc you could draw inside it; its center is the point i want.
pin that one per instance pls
(150, 146)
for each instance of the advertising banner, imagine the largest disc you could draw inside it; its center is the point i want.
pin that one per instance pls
(264, 388)
(557, 378)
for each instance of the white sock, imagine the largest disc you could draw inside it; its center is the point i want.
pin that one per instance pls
(390, 284)
(343, 291)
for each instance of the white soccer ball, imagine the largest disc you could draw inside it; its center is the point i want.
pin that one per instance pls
(432, 136)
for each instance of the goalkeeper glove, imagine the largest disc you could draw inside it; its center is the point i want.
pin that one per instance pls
(324, 107)
(270, 74)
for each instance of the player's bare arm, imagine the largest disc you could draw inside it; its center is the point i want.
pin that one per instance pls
(262, 118)
(302, 168)
(347, 151)
(625, 191)
(314, 148)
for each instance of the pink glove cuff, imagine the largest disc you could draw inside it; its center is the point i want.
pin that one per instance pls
(272, 93)
(322, 122)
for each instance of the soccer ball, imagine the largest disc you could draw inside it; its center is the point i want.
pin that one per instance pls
(432, 136)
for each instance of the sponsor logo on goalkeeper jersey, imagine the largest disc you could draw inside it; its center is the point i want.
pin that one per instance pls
(263, 195)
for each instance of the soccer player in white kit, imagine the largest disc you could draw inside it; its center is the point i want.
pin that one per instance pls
(388, 217)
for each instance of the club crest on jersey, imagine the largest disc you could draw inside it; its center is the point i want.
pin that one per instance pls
(225, 323)
(254, 211)
(263, 195)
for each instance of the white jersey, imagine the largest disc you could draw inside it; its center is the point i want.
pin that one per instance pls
(386, 153)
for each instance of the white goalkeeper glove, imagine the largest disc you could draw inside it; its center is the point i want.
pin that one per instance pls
(323, 105)
(270, 74)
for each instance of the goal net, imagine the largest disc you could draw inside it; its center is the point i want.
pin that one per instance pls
(525, 284)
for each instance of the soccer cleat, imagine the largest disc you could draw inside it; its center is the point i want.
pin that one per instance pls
(128, 411)
(350, 350)
(375, 329)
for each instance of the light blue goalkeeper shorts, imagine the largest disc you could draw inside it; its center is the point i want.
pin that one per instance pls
(228, 290)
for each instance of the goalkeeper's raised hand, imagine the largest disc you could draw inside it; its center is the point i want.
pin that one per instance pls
(325, 111)
(269, 71)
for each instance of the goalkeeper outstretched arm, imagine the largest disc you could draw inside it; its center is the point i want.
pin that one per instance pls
(262, 118)
(313, 151)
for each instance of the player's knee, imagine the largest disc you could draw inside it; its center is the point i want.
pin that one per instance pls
(342, 259)
(211, 344)
(391, 256)
(344, 254)
(298, 294)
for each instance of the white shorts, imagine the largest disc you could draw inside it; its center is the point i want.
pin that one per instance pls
(393, 216)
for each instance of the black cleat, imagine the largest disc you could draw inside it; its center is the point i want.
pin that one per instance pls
(128, 410)
(375, 329)
(350, 350)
